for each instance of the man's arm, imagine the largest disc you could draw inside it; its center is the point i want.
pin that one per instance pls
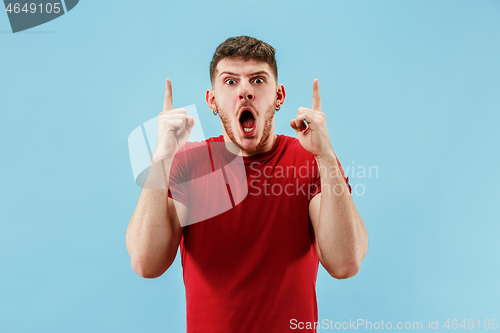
(154, 231)
(341, 238)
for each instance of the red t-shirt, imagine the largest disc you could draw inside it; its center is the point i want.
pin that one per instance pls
(251, 266)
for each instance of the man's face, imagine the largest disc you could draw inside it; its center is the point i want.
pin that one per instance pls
(246, 95)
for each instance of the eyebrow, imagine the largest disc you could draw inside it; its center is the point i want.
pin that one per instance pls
(251, 74)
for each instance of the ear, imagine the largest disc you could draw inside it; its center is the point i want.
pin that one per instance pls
(280, 94)
(210, 98)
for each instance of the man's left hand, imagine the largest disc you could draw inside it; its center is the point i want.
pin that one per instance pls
(313, 136)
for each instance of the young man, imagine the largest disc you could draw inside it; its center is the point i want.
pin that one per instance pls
(252, 267)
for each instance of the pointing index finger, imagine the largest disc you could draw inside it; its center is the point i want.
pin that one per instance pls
(167, 103)
(316, 97)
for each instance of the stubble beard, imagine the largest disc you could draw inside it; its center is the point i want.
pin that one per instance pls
(268, 123)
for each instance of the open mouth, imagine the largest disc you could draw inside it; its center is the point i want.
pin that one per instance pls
(247, 122)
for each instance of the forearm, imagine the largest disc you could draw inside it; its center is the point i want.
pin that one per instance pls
(341, 234)
(149, 235)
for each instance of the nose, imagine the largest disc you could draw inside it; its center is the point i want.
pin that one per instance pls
(246, 91)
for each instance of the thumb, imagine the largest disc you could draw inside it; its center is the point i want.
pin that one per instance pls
(189, 123)
(293, 124)
(302, 126)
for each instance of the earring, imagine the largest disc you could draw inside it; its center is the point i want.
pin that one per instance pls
(214, 110)
(278, 107)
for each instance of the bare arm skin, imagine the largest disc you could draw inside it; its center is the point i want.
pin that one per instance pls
(154, 232)
(341, 238)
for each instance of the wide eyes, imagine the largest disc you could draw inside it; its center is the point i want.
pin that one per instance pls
(258, 80)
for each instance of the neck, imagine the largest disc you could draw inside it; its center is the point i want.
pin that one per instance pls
(235, 149)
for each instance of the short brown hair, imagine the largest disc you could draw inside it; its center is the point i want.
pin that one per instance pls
(247, 48)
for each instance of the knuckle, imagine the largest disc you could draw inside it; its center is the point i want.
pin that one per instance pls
(178, 111)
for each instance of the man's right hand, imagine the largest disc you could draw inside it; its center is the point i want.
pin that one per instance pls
(174, 127)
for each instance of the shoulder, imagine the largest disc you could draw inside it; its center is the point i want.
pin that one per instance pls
(190, 145)
(194, 151)
(292, 145)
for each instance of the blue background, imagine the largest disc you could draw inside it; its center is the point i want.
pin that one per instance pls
(411, 87)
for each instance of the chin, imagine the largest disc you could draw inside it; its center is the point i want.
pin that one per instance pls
(249, 148)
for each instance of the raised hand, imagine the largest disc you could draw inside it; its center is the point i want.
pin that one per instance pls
(313, 136)
(174, 127)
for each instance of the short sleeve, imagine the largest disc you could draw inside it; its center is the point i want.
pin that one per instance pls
(177, 186)
(316, 181)
(315, 187)
(343, 175)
